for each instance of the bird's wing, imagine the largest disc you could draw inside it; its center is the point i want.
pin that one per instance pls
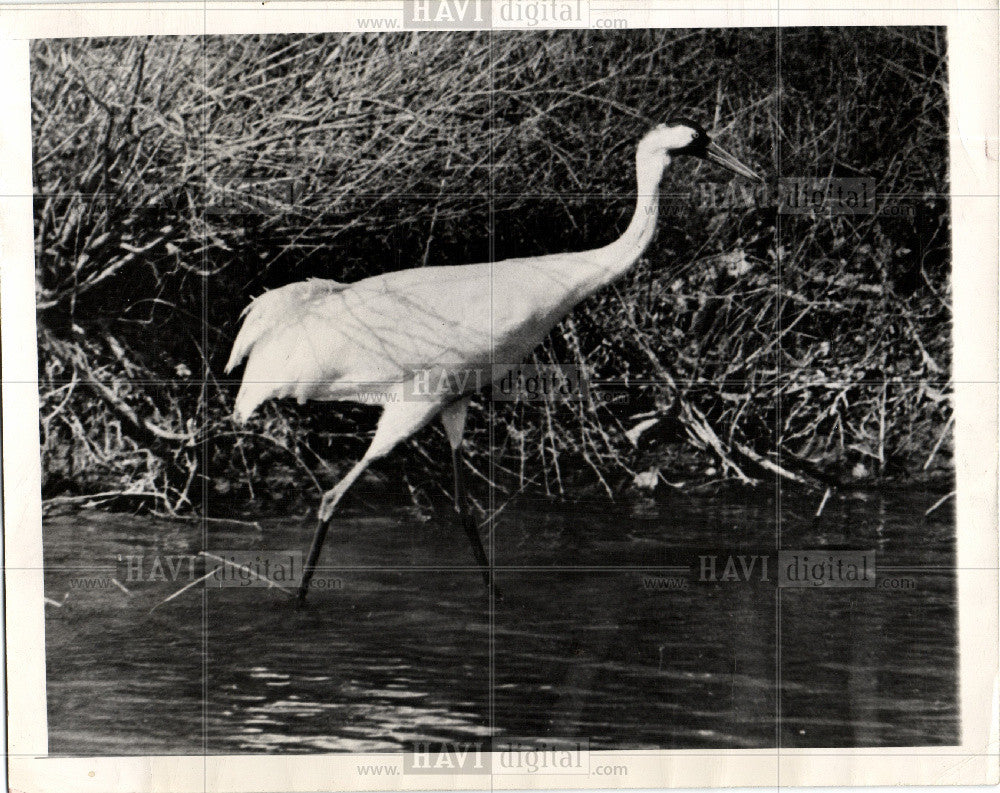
(328, 341)
(271, 310)
(465, 315)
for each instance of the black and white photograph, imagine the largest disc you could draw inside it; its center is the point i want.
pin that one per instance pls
(490, 401)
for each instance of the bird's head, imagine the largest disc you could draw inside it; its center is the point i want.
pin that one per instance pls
(682, 136)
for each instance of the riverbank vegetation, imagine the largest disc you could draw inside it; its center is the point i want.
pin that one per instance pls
(176, 178)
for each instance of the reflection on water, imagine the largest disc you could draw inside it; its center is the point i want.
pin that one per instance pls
(605, 633)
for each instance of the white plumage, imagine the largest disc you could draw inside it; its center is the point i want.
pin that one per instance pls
(322, 340)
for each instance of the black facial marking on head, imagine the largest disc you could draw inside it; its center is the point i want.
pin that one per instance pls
(698, 145)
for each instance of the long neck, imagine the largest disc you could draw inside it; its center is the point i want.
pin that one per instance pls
(616, 259)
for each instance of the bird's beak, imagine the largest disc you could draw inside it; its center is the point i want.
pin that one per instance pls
(727, 160)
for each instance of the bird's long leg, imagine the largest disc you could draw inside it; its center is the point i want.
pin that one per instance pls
(453, 418)
(399, 420)
(329, 503)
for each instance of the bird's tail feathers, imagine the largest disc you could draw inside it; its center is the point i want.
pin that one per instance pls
(273, 308)
(247, 401)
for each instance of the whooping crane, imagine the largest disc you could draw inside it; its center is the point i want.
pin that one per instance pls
(363, 342)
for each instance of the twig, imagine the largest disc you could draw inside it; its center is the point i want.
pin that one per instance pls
(826, 496)
(939, 502)
(940, 440)
(184, 589)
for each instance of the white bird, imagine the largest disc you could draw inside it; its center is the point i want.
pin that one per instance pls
(368, 341)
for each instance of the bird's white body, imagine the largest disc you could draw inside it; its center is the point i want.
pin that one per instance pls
(322, 340)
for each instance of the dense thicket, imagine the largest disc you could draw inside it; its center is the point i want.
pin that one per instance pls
(178, 177)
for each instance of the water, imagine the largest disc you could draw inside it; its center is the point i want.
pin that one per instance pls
(591, 640)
